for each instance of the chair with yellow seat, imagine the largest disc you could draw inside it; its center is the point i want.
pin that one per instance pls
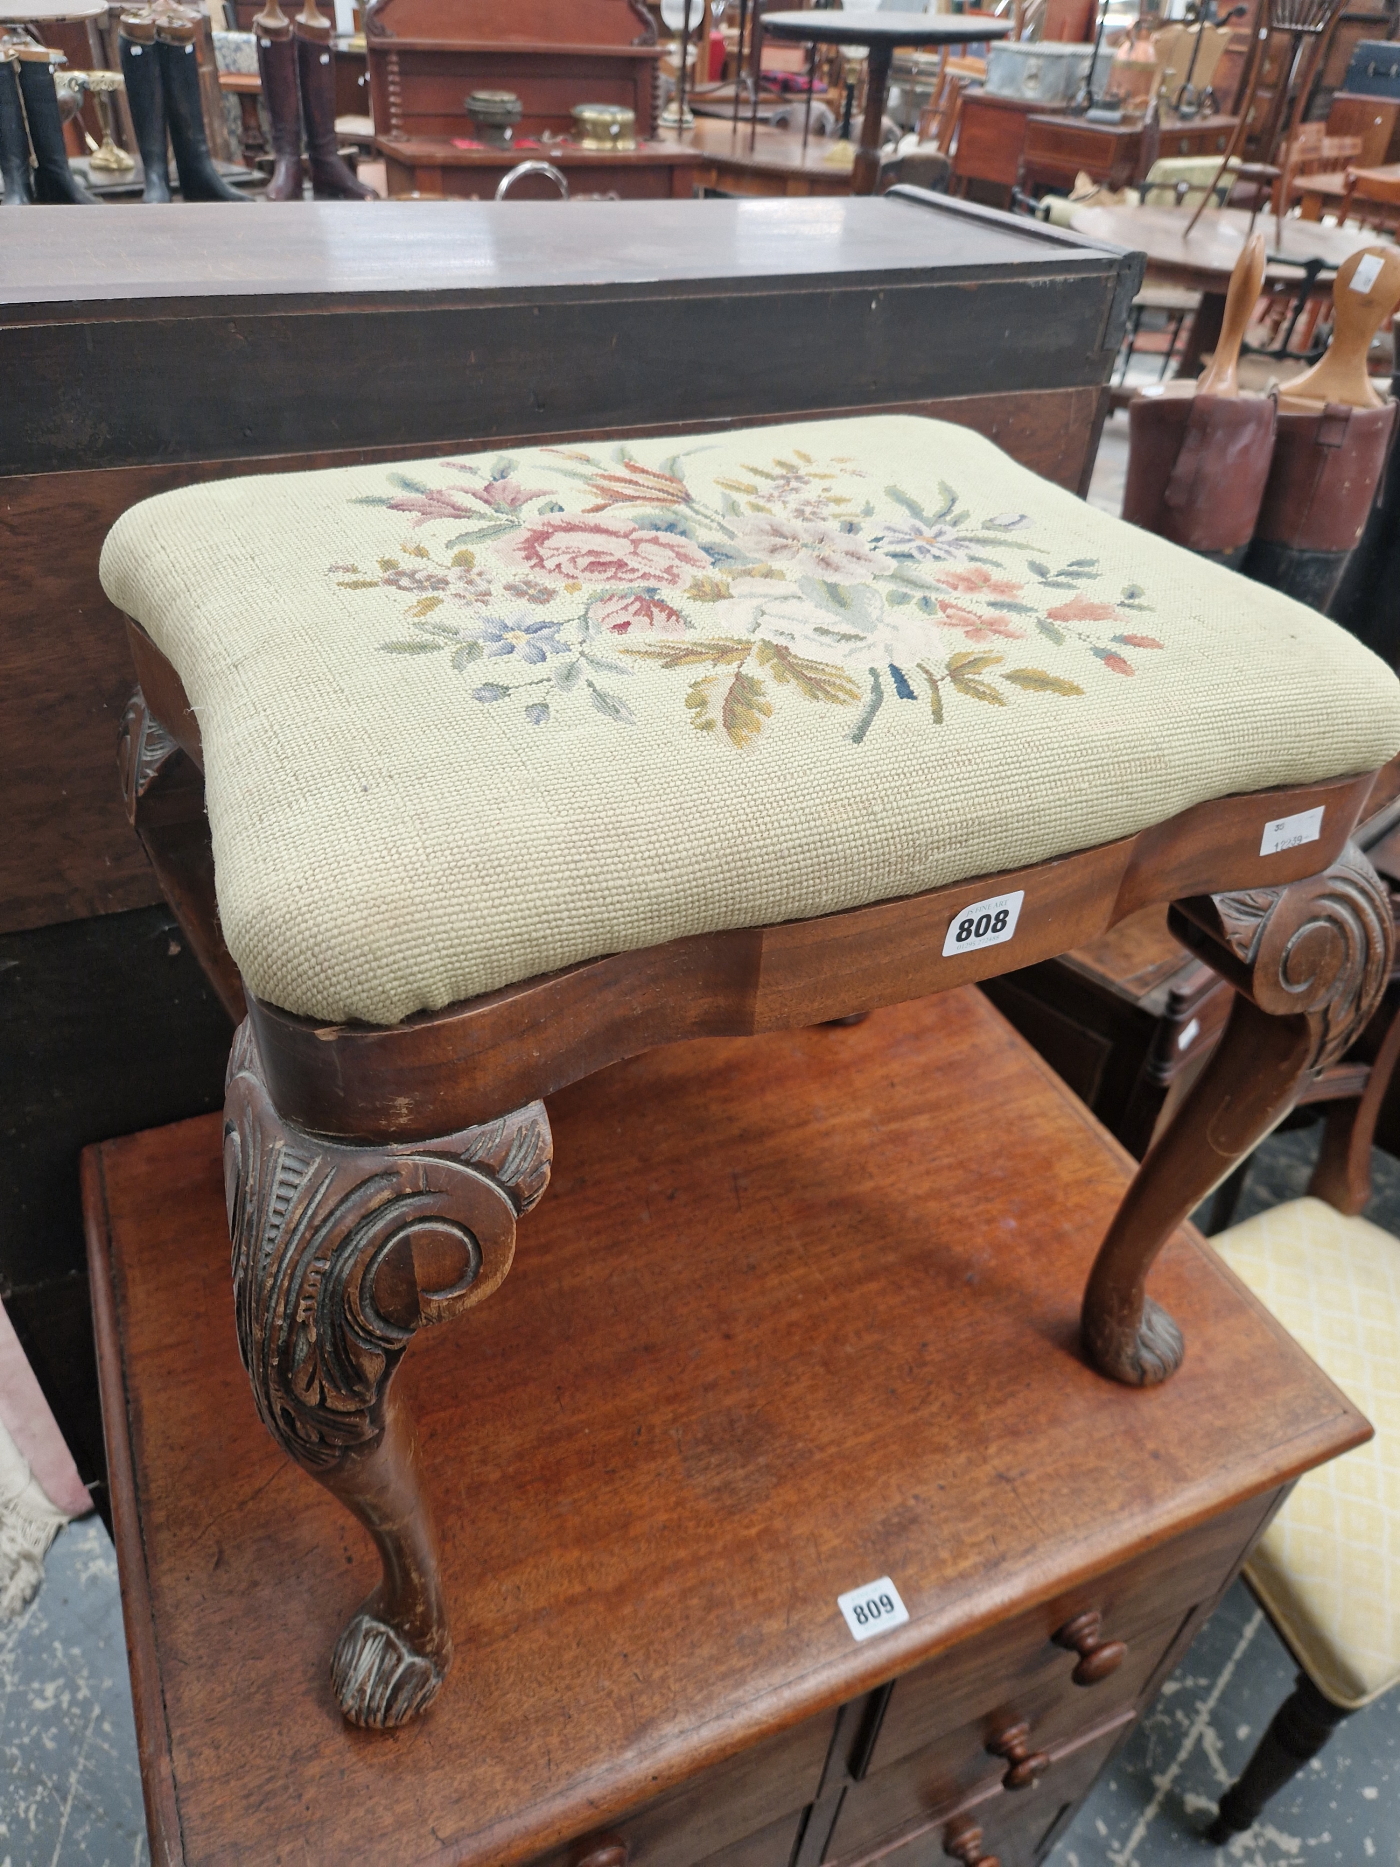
(1327, 1570)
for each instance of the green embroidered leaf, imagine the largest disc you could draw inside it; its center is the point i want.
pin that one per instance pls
(963, 671)
(709, 590)
(367, 583)
(426, 605)
(1048, 629)
(744, 709)
(611, 707)
(389, 564)
(738, 705)
(935, 698)
(463, 560)
(897, 598)
(770, 571)
(814, 680)
(567, 675)
(1036, 680)
(468, 652)
(722, 653)
(977, 690)
(411, 648)
(415, 551)
(1133, 593)
(806, 459)
(870, 709)
(1040, 570)
(912, 506)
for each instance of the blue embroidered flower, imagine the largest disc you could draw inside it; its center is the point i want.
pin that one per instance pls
(537, 715)
(534, 641)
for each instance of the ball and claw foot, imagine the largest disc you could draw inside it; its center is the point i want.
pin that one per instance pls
(378, 1678)
(1144, 1357)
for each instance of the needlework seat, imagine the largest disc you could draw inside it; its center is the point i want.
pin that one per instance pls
(471, 720)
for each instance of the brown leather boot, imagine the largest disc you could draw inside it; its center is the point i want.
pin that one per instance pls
(331, 178)
(277, 62)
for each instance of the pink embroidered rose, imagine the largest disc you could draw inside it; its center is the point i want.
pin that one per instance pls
(636, 615)
(603, 550)
(1080, 609)
(978, 628)
(974, 581)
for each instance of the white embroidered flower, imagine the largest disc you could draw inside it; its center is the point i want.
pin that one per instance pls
(810, 547)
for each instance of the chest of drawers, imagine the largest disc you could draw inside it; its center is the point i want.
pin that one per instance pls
(821, 1335)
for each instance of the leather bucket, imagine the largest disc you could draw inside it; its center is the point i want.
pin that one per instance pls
(1197, 467)
(1326, 471)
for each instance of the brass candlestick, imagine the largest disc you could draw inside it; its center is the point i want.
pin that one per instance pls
(110, 157)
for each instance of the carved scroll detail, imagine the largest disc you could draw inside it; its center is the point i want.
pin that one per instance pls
(1310, 962)
(647, 36)
(340, 1255)
(1320, 948)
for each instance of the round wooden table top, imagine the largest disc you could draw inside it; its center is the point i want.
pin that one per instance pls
(871, 28)
(1208, 256)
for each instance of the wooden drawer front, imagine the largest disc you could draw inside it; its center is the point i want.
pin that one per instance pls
(772, 1847)
(1061, 1716)
(1016, 1667)
(1017, 1829)
(743, 1813)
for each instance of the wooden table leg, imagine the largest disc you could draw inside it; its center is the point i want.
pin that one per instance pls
(1205, 333)
(1310, 962)
(866, 170)
(340, 1255)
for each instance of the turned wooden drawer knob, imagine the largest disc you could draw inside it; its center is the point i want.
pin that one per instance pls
(1097, 1658)
(962, 1841)
(602, 1851)
(1026, 1764)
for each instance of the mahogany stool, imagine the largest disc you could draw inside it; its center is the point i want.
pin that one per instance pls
(516, 767)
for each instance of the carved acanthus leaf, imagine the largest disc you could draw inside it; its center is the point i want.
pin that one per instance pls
(340, 1254)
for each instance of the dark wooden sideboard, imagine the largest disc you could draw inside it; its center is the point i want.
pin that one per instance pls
(164, 349)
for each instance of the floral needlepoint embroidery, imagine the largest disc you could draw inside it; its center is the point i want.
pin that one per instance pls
(792, 583)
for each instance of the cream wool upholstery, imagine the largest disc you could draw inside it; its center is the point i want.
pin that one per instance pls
(470, 720)
(1328, 1567)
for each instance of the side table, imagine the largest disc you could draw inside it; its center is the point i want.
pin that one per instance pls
(880, 33)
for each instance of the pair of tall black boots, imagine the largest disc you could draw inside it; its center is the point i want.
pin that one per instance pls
(161, 68)
(30, 117)
(298, 82)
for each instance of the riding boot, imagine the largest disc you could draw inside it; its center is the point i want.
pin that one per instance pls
(184, 111)
(331, 178)
(54, 182)
(277, 61)
(136, 40)
(14, 138)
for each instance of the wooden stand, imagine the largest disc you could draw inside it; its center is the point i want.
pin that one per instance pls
(724, 1385)
(426, 56)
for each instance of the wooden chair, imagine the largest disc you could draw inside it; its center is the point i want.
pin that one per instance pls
(1324, 1570)
(1372, 198)
(517, 767)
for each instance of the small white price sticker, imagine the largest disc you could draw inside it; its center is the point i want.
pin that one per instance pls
(985, 923)
(872, 1609)
(1289, 832)
(1367, 273)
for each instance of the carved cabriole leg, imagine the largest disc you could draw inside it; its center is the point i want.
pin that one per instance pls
(1309, 962)
(340, 1254)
